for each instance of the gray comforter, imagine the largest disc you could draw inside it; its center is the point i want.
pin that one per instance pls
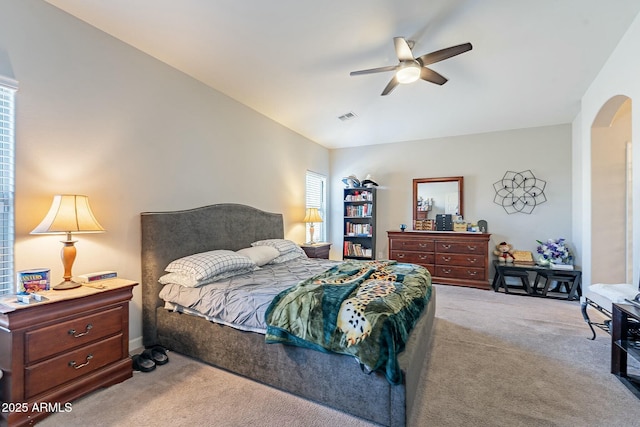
(241, 301)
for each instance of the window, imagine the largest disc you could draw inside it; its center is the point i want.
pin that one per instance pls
(7, 157)
(316, 190)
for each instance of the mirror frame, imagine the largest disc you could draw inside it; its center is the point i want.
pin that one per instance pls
(458, 179)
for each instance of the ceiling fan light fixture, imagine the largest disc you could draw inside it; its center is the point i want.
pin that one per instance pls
(408, 72)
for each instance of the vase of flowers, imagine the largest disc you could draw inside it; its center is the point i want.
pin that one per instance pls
(554, 252)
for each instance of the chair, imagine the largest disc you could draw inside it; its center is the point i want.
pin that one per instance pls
(602, 296)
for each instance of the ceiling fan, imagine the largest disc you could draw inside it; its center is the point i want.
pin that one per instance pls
(411, 68)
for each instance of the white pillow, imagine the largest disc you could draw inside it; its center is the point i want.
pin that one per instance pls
(189, 281)
(282, 245)
(288, 257)
(205, 265)
(261, 255)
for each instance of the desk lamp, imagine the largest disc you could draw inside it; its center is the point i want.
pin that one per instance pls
(69, 213)
(312, 217)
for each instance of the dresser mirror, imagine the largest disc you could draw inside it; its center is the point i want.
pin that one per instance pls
(433, 196)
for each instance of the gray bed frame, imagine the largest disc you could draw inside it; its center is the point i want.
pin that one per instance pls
(330, 379)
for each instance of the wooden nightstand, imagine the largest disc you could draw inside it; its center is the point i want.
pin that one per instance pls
(317, 250)
(55, 351)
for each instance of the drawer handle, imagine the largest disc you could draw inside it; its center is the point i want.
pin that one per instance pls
(73, 333)
(446, 258)
(471, 248)
(422, 256)
(422, 245)
(472, 273)
(446, 271)
(82, 365)
(446, 246)
(472, 260)
(400, 255)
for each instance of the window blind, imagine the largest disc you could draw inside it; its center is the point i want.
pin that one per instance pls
(7, 185)
(316, 194)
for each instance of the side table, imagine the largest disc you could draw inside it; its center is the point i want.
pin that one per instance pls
(625, 341)
(62, 348)
(317, 250)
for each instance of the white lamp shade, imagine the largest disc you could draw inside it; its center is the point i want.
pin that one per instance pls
(69, 213)
(312, 215)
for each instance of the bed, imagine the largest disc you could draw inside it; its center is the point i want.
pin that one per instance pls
(330, 379)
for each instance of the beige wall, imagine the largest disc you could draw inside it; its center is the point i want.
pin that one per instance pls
(97, 117)
(482, 159)
(608, 191)
(619, 76)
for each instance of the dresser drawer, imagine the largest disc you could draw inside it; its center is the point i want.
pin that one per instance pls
(461, 247)
(51, 340)
(412, 245)
(413, 257)
(455, 272)
(466, 260)
(66, 367)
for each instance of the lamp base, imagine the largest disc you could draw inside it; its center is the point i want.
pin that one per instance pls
(67, 284)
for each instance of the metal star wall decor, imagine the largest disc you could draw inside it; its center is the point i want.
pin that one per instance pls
(519, 192)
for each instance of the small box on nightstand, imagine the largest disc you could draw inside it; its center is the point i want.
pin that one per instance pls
(316, 250)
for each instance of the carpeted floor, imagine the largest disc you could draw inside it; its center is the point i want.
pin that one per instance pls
(498, 360)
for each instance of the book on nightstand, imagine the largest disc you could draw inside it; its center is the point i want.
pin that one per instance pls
(94, 277)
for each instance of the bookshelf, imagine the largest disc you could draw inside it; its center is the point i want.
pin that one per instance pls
(359, 227)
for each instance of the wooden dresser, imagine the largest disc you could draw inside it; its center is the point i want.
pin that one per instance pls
(453, 258)
(55, 351)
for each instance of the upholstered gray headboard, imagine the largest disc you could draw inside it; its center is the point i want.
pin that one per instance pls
(170, 235)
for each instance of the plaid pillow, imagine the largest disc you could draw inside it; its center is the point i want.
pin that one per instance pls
(206, 265)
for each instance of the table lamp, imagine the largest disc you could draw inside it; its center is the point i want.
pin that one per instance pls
(312, 217)
(69, 213)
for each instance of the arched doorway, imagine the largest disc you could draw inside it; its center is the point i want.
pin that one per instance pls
(611, 193)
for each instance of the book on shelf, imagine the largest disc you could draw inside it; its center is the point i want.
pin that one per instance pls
(362, 196)
(359, 210)
(357, 229)
(356, 249)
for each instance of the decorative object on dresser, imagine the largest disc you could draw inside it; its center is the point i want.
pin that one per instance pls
(312, 216)
(452, 258)
(65, 348)
(519, 192)
(359, 223)
(434, 197)
(69, 213)
(317, 250)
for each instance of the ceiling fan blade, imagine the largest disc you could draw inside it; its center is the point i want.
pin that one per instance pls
(441, 55)
(390, 86)
(403, 51)
(429, 75)
(374, 70)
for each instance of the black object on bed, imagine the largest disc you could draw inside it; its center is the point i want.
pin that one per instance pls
(331, 379)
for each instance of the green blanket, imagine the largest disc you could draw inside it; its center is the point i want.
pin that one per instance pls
(361, 308)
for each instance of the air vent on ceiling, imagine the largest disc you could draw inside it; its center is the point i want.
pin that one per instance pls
(348, 116)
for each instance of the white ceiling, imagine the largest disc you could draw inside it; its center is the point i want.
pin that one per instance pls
(290, 60)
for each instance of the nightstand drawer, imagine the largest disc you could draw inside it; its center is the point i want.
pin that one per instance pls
(51, 340)
(66, 367)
